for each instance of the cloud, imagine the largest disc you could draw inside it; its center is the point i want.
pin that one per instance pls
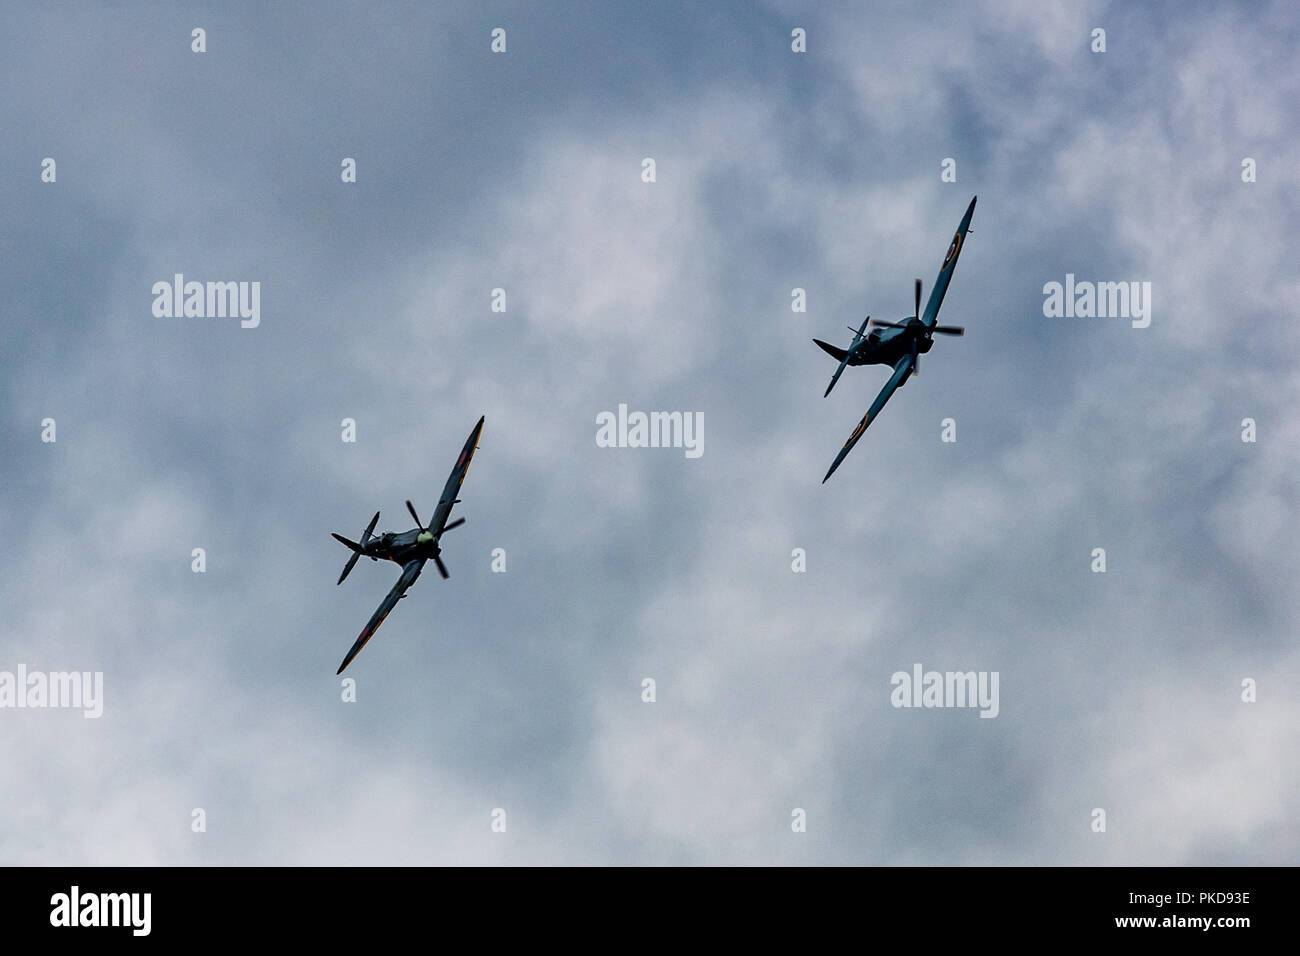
(522, 690)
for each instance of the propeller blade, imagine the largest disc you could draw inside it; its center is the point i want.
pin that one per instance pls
(916, 313)
(916, 356)
(411, 508)
(455, 524)
(949, 329)
(442, 568)
(889, 325)
(369, 528)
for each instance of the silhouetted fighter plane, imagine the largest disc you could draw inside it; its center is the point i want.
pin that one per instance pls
(903, 342)
(410, 549)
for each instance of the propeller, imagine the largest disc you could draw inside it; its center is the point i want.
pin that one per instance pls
(916, 338)
(356, 548)
(437, 558)
(919, 331)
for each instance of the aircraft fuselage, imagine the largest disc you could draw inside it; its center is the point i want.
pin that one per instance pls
(401, 547)
(887, 346)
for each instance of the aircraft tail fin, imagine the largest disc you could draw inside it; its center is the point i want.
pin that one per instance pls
(840, 354)
(357, 548)
(352, 561)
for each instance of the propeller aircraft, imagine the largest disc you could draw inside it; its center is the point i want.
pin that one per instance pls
(411, 549)
(897, 344)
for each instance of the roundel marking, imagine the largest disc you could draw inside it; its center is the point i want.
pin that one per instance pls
(952, 250)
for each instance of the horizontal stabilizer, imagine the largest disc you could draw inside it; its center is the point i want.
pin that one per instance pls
(345, 542)
(837, 354)
(352, 559)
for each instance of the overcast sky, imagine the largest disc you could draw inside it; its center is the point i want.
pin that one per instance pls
(774, 170)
